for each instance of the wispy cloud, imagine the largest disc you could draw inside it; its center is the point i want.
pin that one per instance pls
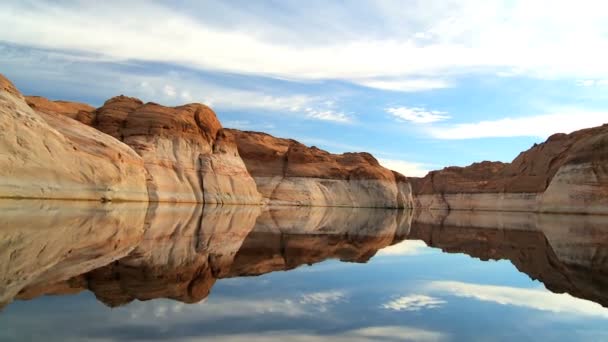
(431, 38)
(410, 169)
(541, 126)
(538, 299)
(328, 115)
(414, 303)
(417, 115)
(405, 85)
(592, 83)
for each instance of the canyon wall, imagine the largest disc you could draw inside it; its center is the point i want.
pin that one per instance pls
(290, 173)
(54, 157)
(566, 174)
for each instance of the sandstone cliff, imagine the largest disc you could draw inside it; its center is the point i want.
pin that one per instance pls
(290, 173)
(51, 156)
(566, 174)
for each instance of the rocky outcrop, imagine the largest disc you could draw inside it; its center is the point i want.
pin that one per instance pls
(566, 174)
(289, 173)
(74, 110)
(187, 155)
(50, 156)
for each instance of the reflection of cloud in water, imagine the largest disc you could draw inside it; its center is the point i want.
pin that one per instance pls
(539, 299)
(407, 247)
(224, 307)
(413, 303)
(380, 333)
(322, 299)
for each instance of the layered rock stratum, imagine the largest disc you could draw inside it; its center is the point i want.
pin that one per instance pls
(290, 173)
(566, 174)
(48, 155)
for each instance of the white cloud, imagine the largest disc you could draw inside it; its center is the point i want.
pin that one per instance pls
(414, 303)
(169, 90)
(326, 297)
(592, 83)
(407, 247)
(417, 115)
(409, 169)
(433, 38)
(541, 126)
(328, 115)
(538, 299)
(406, 85)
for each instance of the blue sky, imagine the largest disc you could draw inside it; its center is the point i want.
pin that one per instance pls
(420, 84)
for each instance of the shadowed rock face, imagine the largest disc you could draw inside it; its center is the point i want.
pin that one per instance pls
(568, 253)
(566, 174)
(290, 173)
(46, 155)
(181, 250)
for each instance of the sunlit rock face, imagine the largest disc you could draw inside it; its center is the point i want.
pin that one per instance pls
(47, 155)
(47, 242)
(566, 174)
(568, 253)
(188, 157)
(289, 173)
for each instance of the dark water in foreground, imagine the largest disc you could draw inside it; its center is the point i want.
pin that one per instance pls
(124, 272)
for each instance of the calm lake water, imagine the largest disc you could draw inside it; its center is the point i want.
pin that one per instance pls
(126, 272)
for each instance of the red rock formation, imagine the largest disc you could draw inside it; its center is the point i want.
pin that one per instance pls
(567, 173)
(74, 110)
(186, 153)
(288, 172)
(50, 156)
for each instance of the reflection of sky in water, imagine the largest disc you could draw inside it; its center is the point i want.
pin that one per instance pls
(407, 292)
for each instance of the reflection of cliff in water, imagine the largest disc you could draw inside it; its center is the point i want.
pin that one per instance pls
(123, 252)
(126, 252)
(568, 253)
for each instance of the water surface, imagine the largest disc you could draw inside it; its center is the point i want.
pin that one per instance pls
(128, 272)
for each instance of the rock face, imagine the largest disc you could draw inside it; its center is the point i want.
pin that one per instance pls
(289, 173)
(46, 155)
(187, 155)
(566, 174)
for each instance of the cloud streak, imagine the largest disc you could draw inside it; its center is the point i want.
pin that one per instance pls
(541, 126)
(414, 303)
(417, 115)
